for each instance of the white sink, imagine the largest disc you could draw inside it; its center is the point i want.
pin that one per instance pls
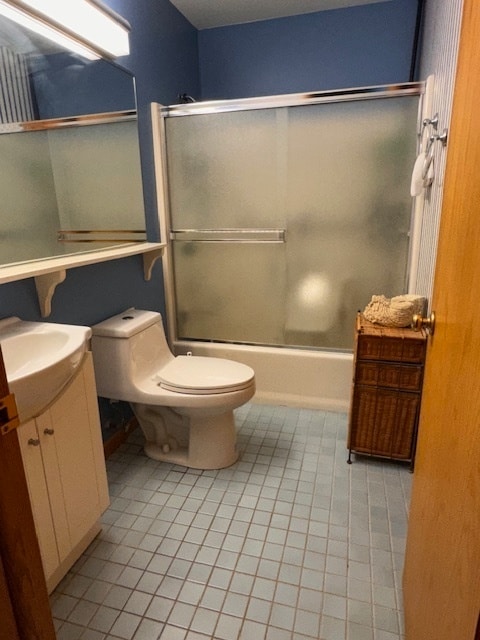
(40, 358)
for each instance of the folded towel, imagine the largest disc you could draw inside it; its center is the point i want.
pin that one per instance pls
(394, 312)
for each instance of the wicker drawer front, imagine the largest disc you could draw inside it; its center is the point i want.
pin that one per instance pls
(383, 422)
(392, 349)
(396, 376)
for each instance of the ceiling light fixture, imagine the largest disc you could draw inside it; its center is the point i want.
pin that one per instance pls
(86, 27)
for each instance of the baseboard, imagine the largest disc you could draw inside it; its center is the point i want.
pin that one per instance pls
(118, 438)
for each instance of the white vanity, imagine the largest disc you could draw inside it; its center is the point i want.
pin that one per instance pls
(50, 370)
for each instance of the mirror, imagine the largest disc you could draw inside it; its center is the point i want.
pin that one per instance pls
(69, 152)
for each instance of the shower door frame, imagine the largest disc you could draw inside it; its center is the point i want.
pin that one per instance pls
(159, 113)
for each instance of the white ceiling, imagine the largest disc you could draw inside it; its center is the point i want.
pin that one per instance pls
(205, 14)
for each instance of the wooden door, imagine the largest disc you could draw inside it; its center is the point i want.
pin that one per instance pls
(442, 565)
(8, 628)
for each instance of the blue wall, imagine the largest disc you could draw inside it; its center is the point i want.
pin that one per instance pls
(66, 85)
(357, 46)
(163, 48)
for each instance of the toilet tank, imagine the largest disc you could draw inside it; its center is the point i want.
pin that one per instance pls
(128, 347)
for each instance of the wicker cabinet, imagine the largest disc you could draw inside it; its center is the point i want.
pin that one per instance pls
(387, 389)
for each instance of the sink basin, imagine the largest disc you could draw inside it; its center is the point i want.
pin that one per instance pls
(40, 358)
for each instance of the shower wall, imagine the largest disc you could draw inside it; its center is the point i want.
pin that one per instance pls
(285, 220)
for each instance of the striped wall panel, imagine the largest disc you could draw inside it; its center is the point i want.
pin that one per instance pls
(438, 57)
(16, 104)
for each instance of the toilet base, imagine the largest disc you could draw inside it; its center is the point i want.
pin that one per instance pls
(211, 438)
(182, 458)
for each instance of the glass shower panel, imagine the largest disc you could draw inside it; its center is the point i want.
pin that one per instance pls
(225, 170)
(349, 209)
(233, 291)
(332, 179)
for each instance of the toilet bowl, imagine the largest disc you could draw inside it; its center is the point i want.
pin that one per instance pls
(183, 404)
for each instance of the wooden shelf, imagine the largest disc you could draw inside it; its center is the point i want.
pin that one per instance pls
(50, 272)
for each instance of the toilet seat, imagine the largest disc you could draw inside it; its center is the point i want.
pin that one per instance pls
(203, 375)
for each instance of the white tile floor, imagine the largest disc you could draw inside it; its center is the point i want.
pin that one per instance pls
(291, 542)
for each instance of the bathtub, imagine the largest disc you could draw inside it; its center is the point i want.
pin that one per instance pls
(287, 376)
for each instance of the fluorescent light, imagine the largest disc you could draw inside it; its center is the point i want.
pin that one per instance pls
(45, 31)
(78, 25)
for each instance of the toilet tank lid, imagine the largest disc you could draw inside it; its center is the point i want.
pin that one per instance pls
(126, 324)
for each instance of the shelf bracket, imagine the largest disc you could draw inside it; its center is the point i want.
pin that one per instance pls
(149, 260)
(46, 285)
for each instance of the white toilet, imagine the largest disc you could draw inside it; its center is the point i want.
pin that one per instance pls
(183, 404)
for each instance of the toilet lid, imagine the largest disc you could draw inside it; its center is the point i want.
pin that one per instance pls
(199, 374)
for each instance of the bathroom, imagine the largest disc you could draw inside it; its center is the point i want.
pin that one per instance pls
(82, 299)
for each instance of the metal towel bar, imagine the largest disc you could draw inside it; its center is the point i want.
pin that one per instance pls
(229, 235)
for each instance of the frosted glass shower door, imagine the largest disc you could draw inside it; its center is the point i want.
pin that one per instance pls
(226, 175)
(287, 220)
(349, 210)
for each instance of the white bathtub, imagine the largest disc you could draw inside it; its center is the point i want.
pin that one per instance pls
(286, 376)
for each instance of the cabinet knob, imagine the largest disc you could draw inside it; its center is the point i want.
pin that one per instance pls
(48, 432)
(34, 442)
(418, 322)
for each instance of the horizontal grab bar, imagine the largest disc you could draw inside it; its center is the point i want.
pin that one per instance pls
(228, 235)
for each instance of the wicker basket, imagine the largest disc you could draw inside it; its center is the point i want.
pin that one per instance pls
(384, 422)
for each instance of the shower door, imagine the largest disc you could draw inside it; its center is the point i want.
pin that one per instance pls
(284, 220)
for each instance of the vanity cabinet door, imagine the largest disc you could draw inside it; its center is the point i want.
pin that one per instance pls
(66, 475)
(70, 466)
(29, 441)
